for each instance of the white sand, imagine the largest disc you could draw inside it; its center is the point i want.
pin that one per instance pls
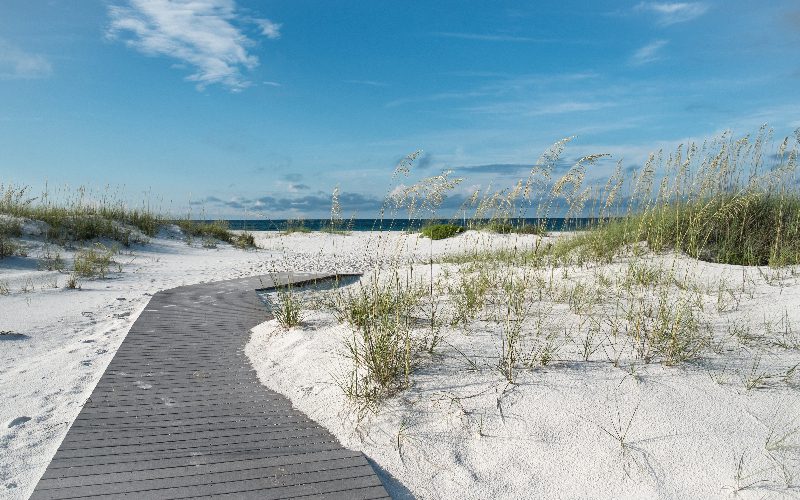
(575, 428)
(458, 432)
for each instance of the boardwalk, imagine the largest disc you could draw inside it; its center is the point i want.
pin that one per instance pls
(179, 413)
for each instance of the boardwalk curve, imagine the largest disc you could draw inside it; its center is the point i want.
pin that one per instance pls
(180, 413)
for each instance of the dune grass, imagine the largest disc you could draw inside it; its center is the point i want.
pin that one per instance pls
(80, 215)
(726, 201)
(211, 232)
(295, 226)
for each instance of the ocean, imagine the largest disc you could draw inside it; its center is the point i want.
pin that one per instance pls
(554, 224)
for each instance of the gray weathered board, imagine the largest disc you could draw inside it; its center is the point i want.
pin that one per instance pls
(179, 413)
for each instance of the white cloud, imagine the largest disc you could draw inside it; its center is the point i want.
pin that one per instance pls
(648, 53)
(17, 64)
(672, 13)
(269, 29)
(205, 35)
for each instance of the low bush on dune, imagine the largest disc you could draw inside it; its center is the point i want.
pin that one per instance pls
(244, 240)
(441, 231)
(295, 226)
(207, 230)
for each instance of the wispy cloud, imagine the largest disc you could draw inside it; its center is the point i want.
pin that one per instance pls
(16, 63)
(672, 13)
(441, 96)
(491, 37)
(649, 53)
(269, 29)
(369, 83)
(204, 34)
(541, 108)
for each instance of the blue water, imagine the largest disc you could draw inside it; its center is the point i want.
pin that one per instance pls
(555, 224)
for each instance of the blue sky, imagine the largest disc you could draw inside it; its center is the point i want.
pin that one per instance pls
(261, 108)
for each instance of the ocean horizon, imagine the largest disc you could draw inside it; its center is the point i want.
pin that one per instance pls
(552, 224)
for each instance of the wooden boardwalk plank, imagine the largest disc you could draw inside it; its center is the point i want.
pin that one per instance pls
(179, 413)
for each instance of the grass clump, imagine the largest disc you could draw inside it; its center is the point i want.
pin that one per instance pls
(441, 231)
(382, 348)
(296, 226)
(93, 262)
(210, 231)
(10, 228)
(288, 308)
(244, 240)
(51, 260)
(8, 247)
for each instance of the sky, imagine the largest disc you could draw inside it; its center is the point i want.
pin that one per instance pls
(250, 109)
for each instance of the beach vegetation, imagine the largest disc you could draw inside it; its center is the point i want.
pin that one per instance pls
(208, 231)
(80, 215)
(51, 260)
(441, 231)
(244, 240)
(625, 284)
(382, 348)
(93, 262)
(287, 309)
(9, 248)
(72, 282)
(295, 226)
(502, 227)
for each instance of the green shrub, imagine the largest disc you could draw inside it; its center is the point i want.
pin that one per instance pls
(216, 230)
(441, 231)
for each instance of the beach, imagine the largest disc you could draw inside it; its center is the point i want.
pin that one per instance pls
(591, 422)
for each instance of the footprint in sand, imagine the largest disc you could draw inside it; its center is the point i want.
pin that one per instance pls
(18, 421)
